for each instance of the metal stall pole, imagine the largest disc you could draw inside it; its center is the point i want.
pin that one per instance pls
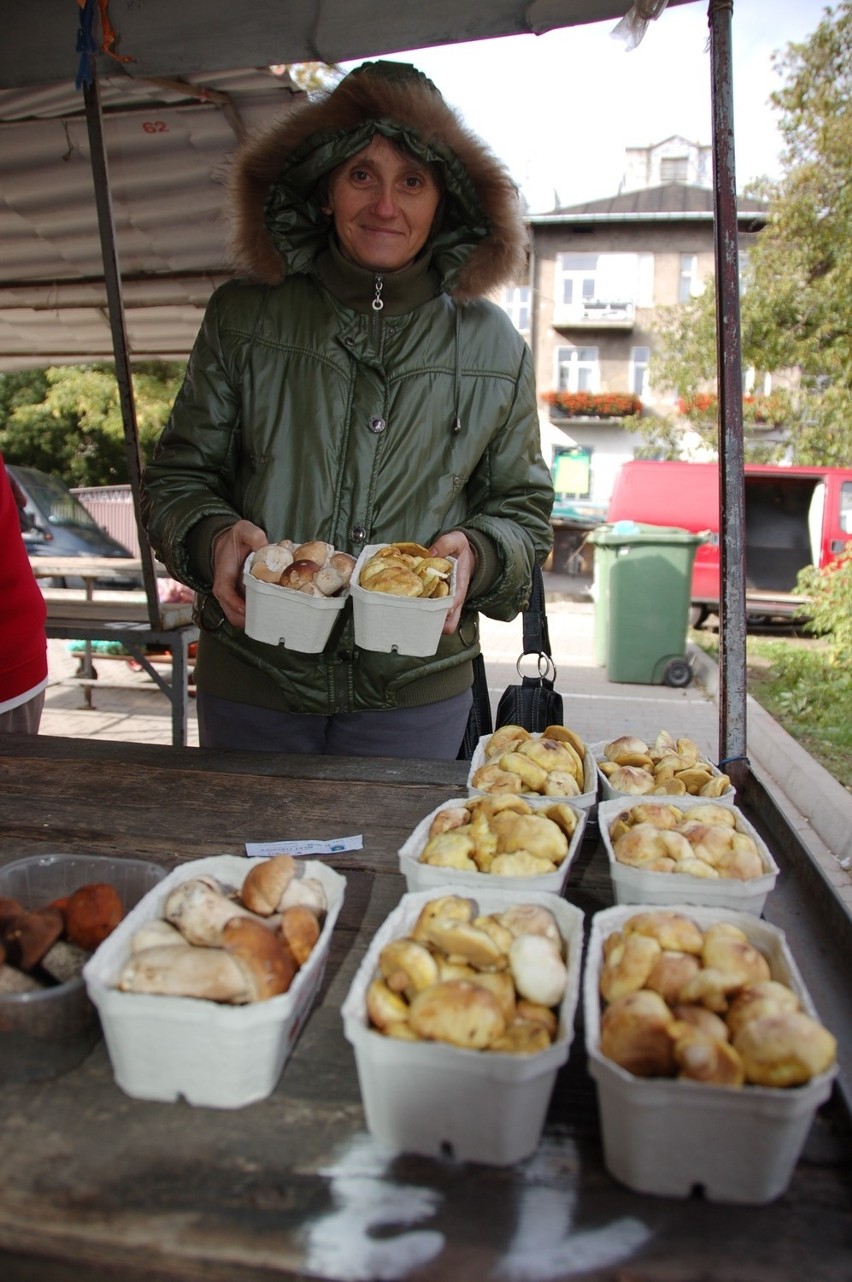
(115, 304)
(732, 611)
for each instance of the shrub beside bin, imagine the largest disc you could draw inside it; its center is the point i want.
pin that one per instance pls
(642, 592)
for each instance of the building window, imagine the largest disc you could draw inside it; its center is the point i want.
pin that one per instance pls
(690, 285)
(577, 369)
(674, 169)
(516, 304)
(640, 358)
(578, 276)
(582, 279)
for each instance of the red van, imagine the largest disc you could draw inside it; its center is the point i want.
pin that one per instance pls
(794, 516)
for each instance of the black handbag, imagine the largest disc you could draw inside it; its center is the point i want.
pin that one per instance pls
(534, 704)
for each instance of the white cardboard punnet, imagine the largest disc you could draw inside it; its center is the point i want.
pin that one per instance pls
(669, 1137)
(420, 876)
(584, 801)
(284, 616)
(638, 886)
(166, 1048)
(439, 1100)
(397, 624)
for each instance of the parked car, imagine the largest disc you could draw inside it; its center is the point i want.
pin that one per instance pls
(794, 517)
(54, 523)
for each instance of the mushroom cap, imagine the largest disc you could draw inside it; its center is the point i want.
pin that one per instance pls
(627, 966)
(300, 930)
(530, 919)
(308, 891)
(770, 997)
(91, 914)
(786, 1049)
(635, 1033)
(703, 1058)
(384, 1006)
(460, 1012)
(266, 882)
(671, 929)
(314, 550)
(267, 965)
(269, 562)
(200, 909)
(538, 970)
(408, 966)
(28, 937)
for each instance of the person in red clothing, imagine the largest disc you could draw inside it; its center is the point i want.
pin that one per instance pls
(23, 643)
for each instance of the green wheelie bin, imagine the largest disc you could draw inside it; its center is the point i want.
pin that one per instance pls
(642, 592)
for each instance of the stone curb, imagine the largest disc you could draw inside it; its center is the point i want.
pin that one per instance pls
(819, 807)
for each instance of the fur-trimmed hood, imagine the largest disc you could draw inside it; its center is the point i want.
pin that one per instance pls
(277, 223)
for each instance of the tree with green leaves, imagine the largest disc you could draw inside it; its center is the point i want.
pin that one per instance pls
(66, 420)
(795, 307)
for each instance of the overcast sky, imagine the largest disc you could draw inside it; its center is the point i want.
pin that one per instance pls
(561, 108)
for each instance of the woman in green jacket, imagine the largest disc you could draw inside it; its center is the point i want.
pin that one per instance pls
(354, 384)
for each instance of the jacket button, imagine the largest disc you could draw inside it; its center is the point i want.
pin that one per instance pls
(357, 534)
(376, 425)
(345, 656)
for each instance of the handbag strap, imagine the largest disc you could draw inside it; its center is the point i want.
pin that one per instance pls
(536, 633)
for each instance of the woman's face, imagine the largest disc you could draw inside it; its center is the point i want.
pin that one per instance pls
(382, 203)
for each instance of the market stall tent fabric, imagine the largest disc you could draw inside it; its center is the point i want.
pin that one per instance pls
(156, 41)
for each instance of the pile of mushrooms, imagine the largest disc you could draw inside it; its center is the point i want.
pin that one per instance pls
(43, 947)
(667, 767)
(551, 764)
(313, 567)
(485, 982)
(226, 945)
(406, 569)
(679, 1001)
(501, 835)
(702, 841)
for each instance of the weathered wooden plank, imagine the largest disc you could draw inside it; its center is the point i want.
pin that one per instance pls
(94, 1184)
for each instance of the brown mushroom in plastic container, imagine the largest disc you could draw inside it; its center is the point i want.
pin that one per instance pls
(48, 1025)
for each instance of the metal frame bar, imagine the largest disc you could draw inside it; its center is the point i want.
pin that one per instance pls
(115, 305)
(732, 610)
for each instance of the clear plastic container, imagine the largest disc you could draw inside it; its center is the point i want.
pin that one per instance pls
(47, 1033)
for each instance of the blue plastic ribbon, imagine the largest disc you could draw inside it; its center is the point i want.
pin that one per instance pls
(87, 46)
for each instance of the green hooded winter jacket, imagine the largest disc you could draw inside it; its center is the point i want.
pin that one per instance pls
(312, 414)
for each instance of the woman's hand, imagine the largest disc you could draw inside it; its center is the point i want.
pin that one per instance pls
(230, 549)
(456, 544)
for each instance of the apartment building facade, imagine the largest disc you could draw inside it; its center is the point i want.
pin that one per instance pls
(597, 273)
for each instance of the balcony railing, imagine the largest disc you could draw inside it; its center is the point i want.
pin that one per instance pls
(595, 313)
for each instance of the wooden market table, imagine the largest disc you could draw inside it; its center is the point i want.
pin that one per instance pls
(99, 1187)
